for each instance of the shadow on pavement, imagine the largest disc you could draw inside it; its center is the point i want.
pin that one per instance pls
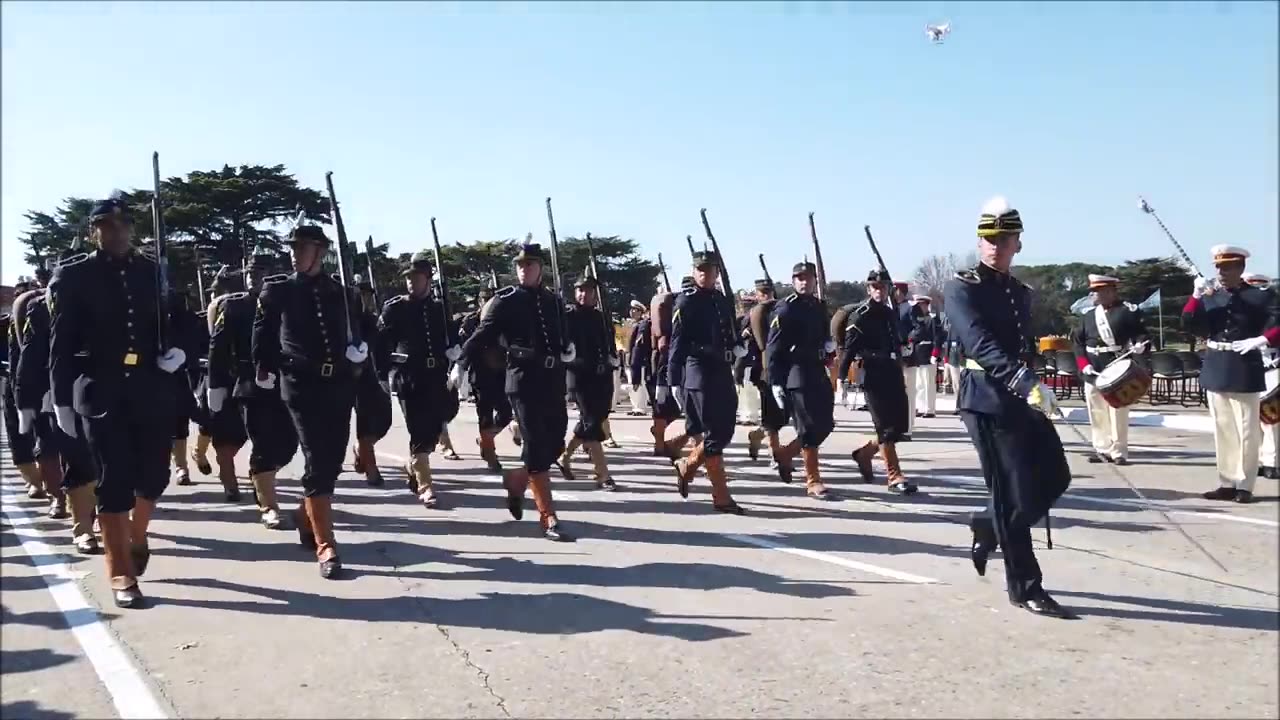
(28, 710)
(19, 661)
(1177, 611)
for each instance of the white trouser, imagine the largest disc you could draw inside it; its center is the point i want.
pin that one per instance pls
(1269, 448)
(927, 388)
(639, 399)
(954, 372)
(1236, 437)
(1109, 426)
(909, 379)
(749, 403)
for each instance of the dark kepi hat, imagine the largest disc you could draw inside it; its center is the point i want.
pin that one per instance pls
(261, 261)
(530, 252)
(686, 282)
(804, 267)
(764, 285)
(703, 258)
(878, 276)
(308, 234)
(586, 280)
(422, 262)
(113, 206)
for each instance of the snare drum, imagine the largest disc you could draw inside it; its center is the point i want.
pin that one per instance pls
(1123, 383)
(1269, 407)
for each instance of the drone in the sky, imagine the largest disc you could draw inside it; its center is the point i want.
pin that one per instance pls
(938, 33)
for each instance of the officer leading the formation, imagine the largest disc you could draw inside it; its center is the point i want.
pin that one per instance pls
(796, 357)
(107, 305)
(414, 328)
(1112, 327)
(301, 339)
(1006, 409)
(526, 318)
(703, 347)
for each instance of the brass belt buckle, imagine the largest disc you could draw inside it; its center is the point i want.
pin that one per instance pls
(326, 370)
(131, 358)
(431, 362)
(549, 362)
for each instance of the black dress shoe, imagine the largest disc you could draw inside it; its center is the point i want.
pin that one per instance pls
(1244, 497)
(903, 487)
(1041, 604)
(233, 496)
(374, 480)
(785, 471)
(1096, 458)
(906, 437)
(331, 568)
(984, 543)
(1220, 493)
(732, 508)
(130, 598)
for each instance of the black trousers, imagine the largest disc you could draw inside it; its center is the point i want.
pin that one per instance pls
(542, 417)
(226, 428)
(130, 447)
(668, 409)
(78, 467)
(886, 398)
(321, 411)
(593, 395)
(812, 413)
(373, 408)
(270, 429)
(184, 405)
(493, 408)
(772, 417)
(712, 411)
(21, 447)
(425, 400)
(49, 439)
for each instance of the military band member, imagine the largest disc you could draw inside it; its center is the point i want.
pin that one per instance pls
(797, 350)
(1113, 327)
(106, 305)
(873, 335)
(704, 344)
(239, 408)
(301, 340)
(590, 380)
(638, 367)
(1006, 409)
(413, 327)
(1240, 321)
(373, 394)
(1269, 448)
(924, 344)
(526, 318)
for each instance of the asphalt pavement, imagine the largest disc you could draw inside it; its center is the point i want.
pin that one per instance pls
(862, 607)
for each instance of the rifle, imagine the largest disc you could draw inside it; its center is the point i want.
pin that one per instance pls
(444, 284)
(688, 239)
(373, 280)
(817, 257)
(666, 281)
(493, 278)
(162, 259)
(344, 268)
(601, 299)
(555, 271)
(725, 285)
(765, 268)
(888, 297)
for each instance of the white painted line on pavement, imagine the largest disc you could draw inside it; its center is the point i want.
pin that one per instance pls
(832, 559)
(129, 692)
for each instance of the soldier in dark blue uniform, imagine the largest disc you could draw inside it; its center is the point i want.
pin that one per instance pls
(223, 284)
(873, 334)
(773, 415)
(796, 355)
(21, 444)
(704, 344)
(301, 335)
(413, 327)
(1005, 408)
(488, 379)
(526, 318)
(29, 348)
(106, 306)
(590, 379)
(1239, 321)
(239, 408)
(373, 390)
(185, 332)
(665, 410)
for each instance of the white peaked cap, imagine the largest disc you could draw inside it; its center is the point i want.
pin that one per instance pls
(1256, 278)
(1231, 252)
(1103, 280)
(921, 298)
(996, 206)
(638, 304)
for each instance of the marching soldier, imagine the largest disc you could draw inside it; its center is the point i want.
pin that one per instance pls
(488, 379)
(1006, 409)
(703, 347)
(796, 357)
(1103, 334)
(21, 444)
(1239, 321)
(902, 301)
(924, 344)
(413, 327)
(526, 316)
(773, 414)
(222, 285)
(300, 337)
(665, 409)
(238, 407)
(873, 335)
(373, 394)
(29, 353)
(187, 334)
(1269, 449)
(590, 380)
(106, 305)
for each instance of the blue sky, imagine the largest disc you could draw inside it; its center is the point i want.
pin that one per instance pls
(633, 116)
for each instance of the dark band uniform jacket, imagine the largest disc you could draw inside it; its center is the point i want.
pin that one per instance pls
(990, 316)
(1226, 316)
(590, 373)
(924, 335)
(1122, 322)
(704, 337)
(873, 333)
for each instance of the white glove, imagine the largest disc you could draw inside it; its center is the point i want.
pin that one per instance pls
(829, 347)
(66, 418)
(1043, 399)
(569, 354)
(1201, 287)
(779, 394)
(1244, 347)
(357, 354)
(1088, 370)
(171, 360)
(1141, 346)
(267, 383)
(464, 385)
(933, 360)
(217, 397)
(26, 418)
(661, 394)
(677, 392)
(455, 377)
(739, 351)
(453, 353)
(46, 403)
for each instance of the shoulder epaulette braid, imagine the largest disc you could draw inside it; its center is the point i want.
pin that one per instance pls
(689, 291)
(74, 259)
(1131, 306)
(394, 300)
(507, 291)
(968, 276)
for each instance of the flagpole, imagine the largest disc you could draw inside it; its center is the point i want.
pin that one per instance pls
(1161, 307)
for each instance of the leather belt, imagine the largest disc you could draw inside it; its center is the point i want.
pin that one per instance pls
(1103, 349)
(1217, 345)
